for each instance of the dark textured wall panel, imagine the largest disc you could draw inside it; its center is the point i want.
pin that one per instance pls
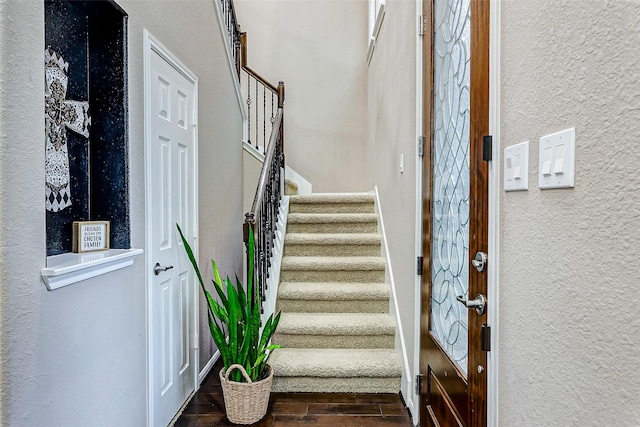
(91, 37)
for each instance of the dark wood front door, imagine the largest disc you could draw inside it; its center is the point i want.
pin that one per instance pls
(453, 361)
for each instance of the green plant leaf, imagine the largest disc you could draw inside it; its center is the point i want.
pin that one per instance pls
(220, 341)
(269, 329)
(218, 311)
(251, 294)
(217, 284)
(192, 258)
(243, 300)
(234, 317)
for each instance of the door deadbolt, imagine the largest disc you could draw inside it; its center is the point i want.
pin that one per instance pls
(480, 261)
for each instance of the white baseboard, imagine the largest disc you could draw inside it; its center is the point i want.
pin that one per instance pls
(304, 187)
(208, 367)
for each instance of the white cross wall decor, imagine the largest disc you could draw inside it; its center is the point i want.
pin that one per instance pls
(60, 114)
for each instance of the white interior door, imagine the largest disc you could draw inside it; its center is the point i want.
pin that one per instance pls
(171, 103)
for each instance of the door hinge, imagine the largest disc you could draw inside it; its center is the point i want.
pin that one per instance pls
(421, 140)
(419, 262)
(485, 337)
(196, 341)
(419, 379)
(487, 148)
(422, 25)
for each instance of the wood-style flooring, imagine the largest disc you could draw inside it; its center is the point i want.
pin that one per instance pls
(299, 409)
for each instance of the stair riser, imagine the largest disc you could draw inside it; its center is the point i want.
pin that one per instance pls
(373, 276)
(335, 385)
(342, 306)
(333, 227)
(331, 208)
(334, 341)
(331, 250)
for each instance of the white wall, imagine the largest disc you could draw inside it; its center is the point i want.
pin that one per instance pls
(569, 324)
(392, 133)
(251, 169)
(77, 356)
(319, 49)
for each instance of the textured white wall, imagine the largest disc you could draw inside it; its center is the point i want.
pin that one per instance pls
(77, 356)
(319, 49)
(392, 133)
(569, 324)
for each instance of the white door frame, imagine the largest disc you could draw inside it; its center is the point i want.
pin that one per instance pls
(152, 44)
(493, 278)
(494, 217)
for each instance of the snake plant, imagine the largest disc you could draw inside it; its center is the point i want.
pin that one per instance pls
(237, 316)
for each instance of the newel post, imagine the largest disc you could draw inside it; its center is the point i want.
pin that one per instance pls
(281, 105)
(243, 49)
(249, 220)
(280, 94)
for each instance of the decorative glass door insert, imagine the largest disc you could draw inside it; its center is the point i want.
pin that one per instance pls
(451, 192)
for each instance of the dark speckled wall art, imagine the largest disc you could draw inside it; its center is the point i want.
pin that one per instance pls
(89, 41)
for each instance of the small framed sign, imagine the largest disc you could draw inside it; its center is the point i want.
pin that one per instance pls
(90, 236)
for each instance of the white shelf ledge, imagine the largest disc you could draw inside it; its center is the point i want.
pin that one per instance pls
(67, 269)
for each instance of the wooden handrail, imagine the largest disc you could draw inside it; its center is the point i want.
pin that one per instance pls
(259, 78)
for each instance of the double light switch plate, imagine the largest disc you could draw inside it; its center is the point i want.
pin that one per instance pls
(557, 160)
(516, 167)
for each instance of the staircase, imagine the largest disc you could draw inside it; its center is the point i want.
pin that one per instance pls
(336, 331)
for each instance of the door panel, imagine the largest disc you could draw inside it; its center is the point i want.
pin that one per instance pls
(172, 186)
(455, 210)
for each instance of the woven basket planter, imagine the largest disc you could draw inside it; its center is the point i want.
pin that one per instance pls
(245, 403)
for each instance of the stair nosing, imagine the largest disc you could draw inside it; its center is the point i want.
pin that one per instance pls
(387, 363)
(328, 291)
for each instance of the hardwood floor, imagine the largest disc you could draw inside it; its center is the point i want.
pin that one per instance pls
(300, 409)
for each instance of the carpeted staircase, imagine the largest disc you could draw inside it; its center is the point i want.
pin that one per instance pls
(335, 327)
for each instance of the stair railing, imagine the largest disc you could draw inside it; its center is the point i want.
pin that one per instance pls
(266, 127)
(264, 131)
(263, 217)
(232, 29)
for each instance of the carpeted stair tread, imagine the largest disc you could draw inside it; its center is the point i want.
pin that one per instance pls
(307, 218)
(320, 223)
(333, 291)
(336, 324)
(336, 363)
(333, 297)
(333, 263)
(332, 244)
(331, 217)
(333, 239)
(333, 198)
(333, 203)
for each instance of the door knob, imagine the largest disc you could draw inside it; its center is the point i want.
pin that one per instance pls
(480, 261)
(158, 268)
(479, 303)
